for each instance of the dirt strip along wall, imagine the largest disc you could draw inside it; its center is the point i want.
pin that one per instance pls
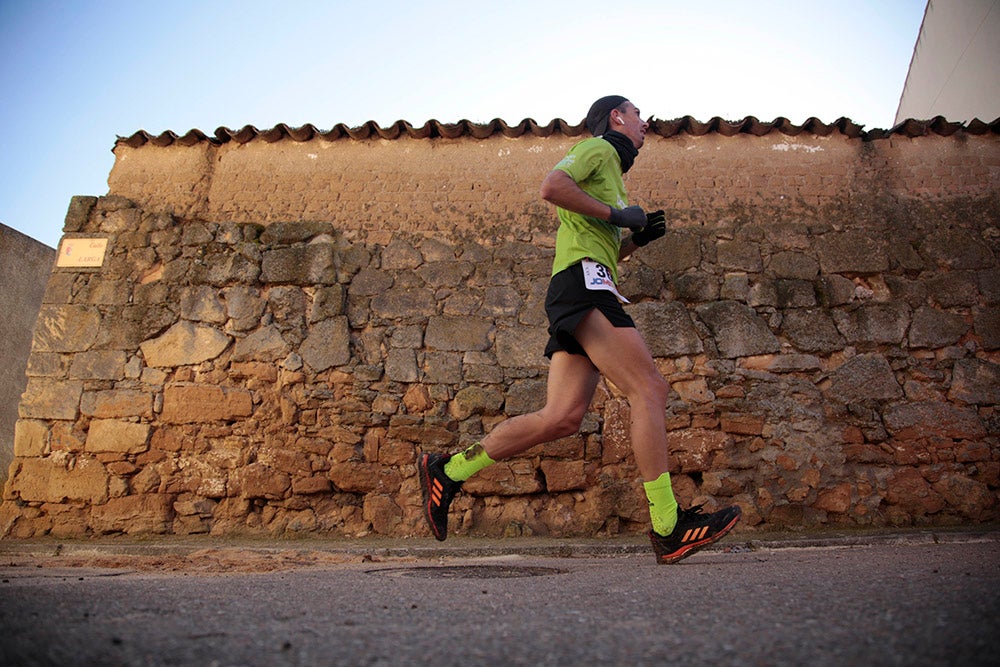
(279, 327)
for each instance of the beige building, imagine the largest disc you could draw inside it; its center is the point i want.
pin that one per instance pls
(953, 72)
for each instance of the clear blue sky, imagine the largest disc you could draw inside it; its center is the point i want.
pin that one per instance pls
(75, 75)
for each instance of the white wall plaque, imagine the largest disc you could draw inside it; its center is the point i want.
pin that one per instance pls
(82, 253)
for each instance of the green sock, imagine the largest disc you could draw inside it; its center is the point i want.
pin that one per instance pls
(464, 465)
(662, 506)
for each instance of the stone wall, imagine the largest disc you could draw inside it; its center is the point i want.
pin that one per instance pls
(25, 265)
(280, 326)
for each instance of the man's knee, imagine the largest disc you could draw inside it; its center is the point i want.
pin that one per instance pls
(656, 389)
(565, 424)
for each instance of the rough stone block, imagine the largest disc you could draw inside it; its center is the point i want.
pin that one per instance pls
(184, 344)
(957, 249)
(148, 514)
(259, 481)
(370, 282)
(908, 489)
(525, 396)
(975, 381)
(676, 252)
(836, 500)
(763, 292)
(308, 486)
(458, 333)
(327, 345)
(45, 398)
(514, 477)
(563, 475)
(692, 450)
(66, 328)
(404, 304)
(287, 233)
(521, 347)
(739, 256)
(735, 287)
(636, 281)
(957, 289)
(401, 255)
(932, 328)
(202, 304)
(401, 366)
(911, 292)
(354, 476)
(56, 479)
(111, 435)
(225, 265)
(327, 302)
(417, 399)
(742, 424)
(987, 326)
(693, 391)
(969, 497)
(852, 252)
(445, 274)
(285, 460)
(667, 328)
(442, 368)
(834, 290)
(738, 330)
(794, 293)
(31, 438)
(989, 284)
(428, 435)
(794, 363)
(864, 377)
(98, 365)
(195, 403)
(476, 400)
(927, 419)
(793, 265)
(695, 287)
(382, 512)
(874, 323)
(78, 213)
(264, 344)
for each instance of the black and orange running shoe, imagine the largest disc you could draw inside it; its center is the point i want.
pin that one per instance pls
(693, 531)
(438, 489)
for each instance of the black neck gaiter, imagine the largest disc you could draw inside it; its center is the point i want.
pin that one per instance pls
(626, 150)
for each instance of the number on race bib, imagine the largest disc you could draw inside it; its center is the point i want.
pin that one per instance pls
(598, 277)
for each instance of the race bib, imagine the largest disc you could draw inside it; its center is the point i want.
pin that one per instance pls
(598, 277)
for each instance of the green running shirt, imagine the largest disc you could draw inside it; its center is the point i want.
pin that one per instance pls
(595, 166)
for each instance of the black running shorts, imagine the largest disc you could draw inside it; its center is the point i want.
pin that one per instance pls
(568, 301)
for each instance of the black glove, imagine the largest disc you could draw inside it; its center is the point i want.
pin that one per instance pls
(632, 217)
(656, 227)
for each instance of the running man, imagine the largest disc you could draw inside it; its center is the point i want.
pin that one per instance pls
(590, 335)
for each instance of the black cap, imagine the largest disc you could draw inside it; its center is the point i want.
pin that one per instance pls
(600, 111)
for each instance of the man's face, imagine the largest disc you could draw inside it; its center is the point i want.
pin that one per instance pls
(630, 124)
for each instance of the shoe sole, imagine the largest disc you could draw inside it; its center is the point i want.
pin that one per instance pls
(689, 549)
(425, 490)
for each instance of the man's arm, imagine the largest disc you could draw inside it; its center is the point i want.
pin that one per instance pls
(560, 189)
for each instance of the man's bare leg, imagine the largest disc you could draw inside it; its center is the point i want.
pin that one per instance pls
(621, 355)
(570, 388)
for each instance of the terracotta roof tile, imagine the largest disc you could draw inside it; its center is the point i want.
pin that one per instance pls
(665, 128)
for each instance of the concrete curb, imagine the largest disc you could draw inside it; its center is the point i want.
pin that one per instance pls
(471, 547)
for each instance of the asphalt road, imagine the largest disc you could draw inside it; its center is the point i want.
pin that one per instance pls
(881, 604)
